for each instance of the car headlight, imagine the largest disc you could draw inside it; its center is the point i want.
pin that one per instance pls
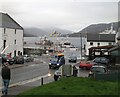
(90, 72)
(57, 64)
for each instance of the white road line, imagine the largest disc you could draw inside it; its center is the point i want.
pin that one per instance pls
(26, 81)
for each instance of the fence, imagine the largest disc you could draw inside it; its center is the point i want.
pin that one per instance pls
(110, 76)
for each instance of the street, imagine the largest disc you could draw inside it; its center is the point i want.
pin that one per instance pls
(30, 75)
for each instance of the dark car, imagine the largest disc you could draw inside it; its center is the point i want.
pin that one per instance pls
(19, 59)
(10, 61)
(57, 61)
(72, 59)
(5, 58)
(101, 60)
(97, 69)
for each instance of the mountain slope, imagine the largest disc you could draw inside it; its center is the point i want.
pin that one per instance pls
(36, 32)
(95, 28)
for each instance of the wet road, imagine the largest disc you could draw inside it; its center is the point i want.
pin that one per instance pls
(35, 70)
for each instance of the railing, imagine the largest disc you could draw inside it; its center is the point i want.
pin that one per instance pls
(4, 50)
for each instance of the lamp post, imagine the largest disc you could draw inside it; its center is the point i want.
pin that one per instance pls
(81, 44)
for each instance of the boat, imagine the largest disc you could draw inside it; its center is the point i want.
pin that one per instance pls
(44, 41)
(67, 44)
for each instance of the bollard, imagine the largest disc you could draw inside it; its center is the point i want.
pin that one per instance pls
(41, 80)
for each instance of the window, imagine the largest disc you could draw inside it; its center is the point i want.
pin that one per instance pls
(91, 43)
(15, 53)
(15, 41)
(98, 43)
(4, 30)
(15, 31)
(109, 43)
(18, 52)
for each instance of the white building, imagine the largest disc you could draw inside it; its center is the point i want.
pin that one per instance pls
(97, 40)
(11, 36)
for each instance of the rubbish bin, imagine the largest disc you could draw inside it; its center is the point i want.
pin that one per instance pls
(75, 71)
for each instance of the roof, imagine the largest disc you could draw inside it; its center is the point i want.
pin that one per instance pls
(101, 66)
(101, 37)
(7, 22)
(114, 48)
(60, 54)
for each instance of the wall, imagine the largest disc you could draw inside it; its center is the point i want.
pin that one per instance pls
(1, 41)
(10, 41)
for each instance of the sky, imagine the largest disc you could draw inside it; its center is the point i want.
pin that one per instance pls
(72, 15)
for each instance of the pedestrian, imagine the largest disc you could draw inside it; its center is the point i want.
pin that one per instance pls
(6, 75)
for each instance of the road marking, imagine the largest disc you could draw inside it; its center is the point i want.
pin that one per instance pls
(27, 81)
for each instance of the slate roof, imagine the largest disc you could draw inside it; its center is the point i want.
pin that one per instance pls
(7, 22)
(101, 37)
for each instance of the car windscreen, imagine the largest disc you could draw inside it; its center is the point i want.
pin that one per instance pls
(54, 59)
(98, 69)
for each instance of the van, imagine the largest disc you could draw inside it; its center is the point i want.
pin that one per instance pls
(56, 61)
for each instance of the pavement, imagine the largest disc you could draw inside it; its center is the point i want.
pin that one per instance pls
(15, 90)
(19, 87)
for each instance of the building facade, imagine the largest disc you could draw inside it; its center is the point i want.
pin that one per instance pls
(97, 40)
(11, 36)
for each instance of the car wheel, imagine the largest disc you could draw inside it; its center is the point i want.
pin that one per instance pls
(49, 67)
(56, 78)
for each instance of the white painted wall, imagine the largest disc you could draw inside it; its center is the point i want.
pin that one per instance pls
(10, 41)
(19, 39)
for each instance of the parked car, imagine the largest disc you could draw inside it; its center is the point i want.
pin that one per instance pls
(85, 65)
(19, 59)
(10, 61)
(58, 74)
(66, 70)
(5, 58)
(28, 58)
(97, 69)
(72, 59)
(101, 60)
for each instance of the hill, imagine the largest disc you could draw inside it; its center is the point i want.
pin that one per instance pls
(95, 28)
(36, 32)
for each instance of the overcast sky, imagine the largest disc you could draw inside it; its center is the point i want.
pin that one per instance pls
(66, 14)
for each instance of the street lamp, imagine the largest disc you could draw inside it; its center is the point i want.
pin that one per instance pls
(81, 44)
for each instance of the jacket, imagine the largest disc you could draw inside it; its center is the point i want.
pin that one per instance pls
(6, 73)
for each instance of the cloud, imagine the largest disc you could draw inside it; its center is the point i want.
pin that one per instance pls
(69, 14)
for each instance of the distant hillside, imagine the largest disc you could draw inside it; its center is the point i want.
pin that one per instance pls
(29, 32)
(95, 28)
(36, 32)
